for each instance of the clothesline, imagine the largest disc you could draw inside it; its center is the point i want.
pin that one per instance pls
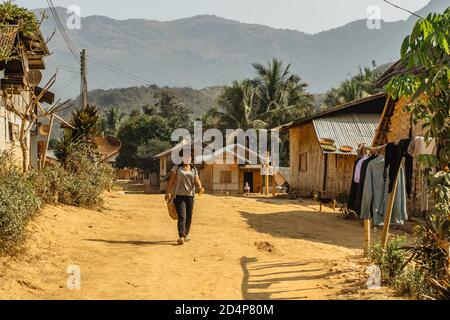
(372, 148)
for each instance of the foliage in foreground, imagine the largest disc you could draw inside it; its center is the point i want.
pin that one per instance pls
(425, 84)
(18, 203)
(406, 281)
(79, 181)
(80, 184)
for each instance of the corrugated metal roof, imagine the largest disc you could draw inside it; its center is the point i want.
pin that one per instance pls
(350, 130)
(376, 102)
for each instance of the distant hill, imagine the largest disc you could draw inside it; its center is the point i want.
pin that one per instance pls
(205, 51)
(128, 99)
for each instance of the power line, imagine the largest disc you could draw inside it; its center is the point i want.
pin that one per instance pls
(74, 49)
(118, 71)
(67, 83)
(61, 29)
(401, 8)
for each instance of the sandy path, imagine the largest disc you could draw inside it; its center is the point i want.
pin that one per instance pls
(241, 249)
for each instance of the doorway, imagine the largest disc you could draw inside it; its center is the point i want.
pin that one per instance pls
(248, 177)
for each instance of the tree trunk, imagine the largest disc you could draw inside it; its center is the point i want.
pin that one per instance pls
(24, 147)
(25, 155)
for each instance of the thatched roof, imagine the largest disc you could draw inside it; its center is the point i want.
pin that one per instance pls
(399, 68)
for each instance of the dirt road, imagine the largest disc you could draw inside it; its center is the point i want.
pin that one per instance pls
(241, 249)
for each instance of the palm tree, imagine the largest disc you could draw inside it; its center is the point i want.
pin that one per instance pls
(282, 95)
(239, 109)
(358, 87)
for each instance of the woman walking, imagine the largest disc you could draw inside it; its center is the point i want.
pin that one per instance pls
(181, 188)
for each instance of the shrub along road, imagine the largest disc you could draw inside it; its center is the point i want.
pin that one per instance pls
(241, 249)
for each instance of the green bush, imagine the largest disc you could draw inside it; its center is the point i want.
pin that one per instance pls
(397, 269)
(390, 260)
(81, 183)
(86, 178)
(49, 183)
(18, 203)
(411, 282)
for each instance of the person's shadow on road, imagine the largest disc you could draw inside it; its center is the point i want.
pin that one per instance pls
(135, 242)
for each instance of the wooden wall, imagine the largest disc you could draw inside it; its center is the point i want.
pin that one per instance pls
(219, 187)
(206, 176)
(303, 140)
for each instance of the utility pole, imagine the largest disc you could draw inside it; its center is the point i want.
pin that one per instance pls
(83, 88)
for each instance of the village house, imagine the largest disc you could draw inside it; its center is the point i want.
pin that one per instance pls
(229, 169)
(397, 124)
(224, 171)
(323, 147)
(13, 70)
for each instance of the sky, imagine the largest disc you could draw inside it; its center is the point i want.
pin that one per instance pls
(309, 16)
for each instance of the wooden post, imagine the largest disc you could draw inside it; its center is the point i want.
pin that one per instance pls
(367, 236)
(274, 187)
(267, 166)
(44, 155)
(388, 216)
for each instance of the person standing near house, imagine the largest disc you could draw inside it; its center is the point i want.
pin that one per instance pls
(181, 188)
(247, 188)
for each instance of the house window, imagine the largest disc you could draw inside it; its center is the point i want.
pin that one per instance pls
(10, 131)
(225, 176)
(303, 162)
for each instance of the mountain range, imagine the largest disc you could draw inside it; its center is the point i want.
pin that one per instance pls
(207, 50)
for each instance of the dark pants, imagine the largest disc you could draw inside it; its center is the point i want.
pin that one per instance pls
(184, 206)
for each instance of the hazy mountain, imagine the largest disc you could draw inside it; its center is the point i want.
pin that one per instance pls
(127, 99)
(207, 50)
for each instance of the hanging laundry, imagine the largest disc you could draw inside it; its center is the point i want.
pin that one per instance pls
(399, 211)
(395, 152)
(357, 176)
(420, 146)
(375, 195)
(373, 203)
(353, 188)
(360, 191)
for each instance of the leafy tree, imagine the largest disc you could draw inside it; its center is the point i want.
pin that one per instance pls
(358, 87)
(281, 95)
(113, 117)
(239, 109)
(136, 132)
(146, 152)
(273, 98)
(425, 54)
(169, 107)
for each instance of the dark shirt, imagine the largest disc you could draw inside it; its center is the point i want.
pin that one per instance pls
(394, 156)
